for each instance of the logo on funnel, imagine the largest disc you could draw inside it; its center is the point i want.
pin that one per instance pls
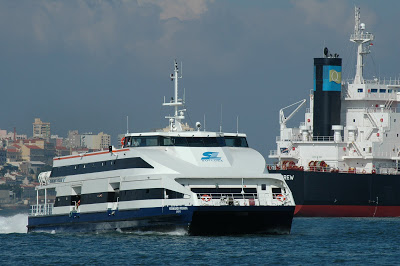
(335, 76)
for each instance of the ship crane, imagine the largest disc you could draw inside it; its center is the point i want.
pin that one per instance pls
(283, 119)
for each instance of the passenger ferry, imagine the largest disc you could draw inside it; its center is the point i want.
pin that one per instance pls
(207, 183)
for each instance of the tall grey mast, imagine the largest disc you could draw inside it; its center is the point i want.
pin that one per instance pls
(175, 122)
(360, 37)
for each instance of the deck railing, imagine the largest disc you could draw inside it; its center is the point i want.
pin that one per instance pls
(351, 170)
(226, 199)
(41, 209)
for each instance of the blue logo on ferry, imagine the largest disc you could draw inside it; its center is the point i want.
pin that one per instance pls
(210, 156)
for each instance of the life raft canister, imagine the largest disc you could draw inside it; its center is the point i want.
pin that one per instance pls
(280, 197)
(206, 198)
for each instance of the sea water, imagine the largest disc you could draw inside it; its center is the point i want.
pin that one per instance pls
(312, 241)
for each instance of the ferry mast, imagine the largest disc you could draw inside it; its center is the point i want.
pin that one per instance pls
(175, 122)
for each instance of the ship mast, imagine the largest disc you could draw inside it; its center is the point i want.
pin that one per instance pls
(360, 37)
(175, 123)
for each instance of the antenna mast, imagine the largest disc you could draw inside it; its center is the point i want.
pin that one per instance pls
(127, 125)
(360, 36)
(175, 121)
(220, 122)
(237, 125)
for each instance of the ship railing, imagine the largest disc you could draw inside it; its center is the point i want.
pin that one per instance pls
(375, 109)
(228, 199)
(41, 209)
(386, 170)
(381, 81)
(322, 138)
(299, 138)
(361, 36)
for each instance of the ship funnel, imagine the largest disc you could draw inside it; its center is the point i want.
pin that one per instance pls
(327, 91)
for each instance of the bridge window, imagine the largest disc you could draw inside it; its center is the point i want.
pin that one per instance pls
(236, 142)
(143, 141)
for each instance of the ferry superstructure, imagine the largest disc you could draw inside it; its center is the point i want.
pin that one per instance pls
(202, 182)
(343, 160)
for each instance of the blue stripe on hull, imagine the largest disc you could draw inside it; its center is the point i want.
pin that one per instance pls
(148, 218)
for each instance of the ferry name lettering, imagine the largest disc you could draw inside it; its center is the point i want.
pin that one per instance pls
(178, 209)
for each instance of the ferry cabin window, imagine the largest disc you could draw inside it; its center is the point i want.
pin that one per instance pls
(175, 141)
(382, 91)
(166, 142)
(374, 90)
(276, 190)
(390, 90)
(359, 90)
(236, 141)
(143, 141)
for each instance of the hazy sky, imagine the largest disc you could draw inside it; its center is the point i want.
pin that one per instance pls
(86, 65)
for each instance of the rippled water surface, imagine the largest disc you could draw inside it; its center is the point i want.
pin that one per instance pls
(312, 241)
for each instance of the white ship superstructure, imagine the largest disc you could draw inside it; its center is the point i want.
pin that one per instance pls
(367, 138)
(204, 182)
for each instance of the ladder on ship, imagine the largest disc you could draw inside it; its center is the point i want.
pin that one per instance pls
(373, 124)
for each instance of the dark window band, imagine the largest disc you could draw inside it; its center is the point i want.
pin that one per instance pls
(124, 195)
(146, 141)
(101, 166)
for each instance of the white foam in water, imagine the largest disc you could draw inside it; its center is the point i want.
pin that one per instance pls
(13, 224)
(177, 232)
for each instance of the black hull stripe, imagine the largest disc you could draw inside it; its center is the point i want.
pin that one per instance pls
(342, 189)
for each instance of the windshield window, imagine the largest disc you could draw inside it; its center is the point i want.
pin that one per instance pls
(144, 141)
(236, 142)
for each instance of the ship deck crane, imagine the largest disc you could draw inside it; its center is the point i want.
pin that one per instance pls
(283, 119)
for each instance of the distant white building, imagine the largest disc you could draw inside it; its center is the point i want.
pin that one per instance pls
(95, 142)
(41, 129)
(10, 135)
